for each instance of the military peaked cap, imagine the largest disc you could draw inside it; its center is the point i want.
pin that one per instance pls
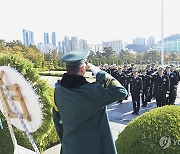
(75, 57)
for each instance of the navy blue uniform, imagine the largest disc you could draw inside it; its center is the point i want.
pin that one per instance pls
(153, 70)
(152, 92)
(149, 72)
(122, 78)
(107, 70)
(135, 89)
(173, 88)
(128, 74)
(146, 85)
(161, 88)
(131, 69)
(177, 75)
(114, 72)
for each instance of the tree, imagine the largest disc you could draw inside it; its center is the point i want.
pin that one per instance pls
(108, 51)
(36, 57)
(2, 41)
(91, 54)
(53, 58)
(153, 56)
(173, 56)
(3, 48)
(126, 57)
(139, 58)
(34, 47)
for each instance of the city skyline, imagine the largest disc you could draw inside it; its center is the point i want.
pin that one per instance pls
(172, 43)
(51, 39)
(95, 21)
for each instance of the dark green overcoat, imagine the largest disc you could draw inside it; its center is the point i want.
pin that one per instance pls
(82, 108)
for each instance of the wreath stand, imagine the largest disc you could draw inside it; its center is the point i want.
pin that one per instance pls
(14, 107)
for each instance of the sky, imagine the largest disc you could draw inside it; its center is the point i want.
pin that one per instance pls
(93, 20)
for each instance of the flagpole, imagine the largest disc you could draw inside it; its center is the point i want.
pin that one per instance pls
(162, 37)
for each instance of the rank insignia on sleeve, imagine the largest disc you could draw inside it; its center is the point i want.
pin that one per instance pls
(115, 83)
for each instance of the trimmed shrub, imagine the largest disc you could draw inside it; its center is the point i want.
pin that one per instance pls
(51, 74)
(46, 135)
(154, 132)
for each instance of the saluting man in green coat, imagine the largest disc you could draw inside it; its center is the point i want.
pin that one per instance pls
(81, 119)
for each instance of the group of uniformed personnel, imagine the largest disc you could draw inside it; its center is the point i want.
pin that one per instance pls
(147, 84)
(79, 111)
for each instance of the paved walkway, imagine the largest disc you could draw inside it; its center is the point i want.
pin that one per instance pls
(119, 116)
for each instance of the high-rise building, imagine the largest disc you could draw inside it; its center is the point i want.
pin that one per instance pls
(60, 49)
(106, 44)
(53, 36)
(117, 45)
(82, 44)
(31, 38)
(25, 37)
(151, 41)
(74, 43)
(47, 48)
(139, 41)
(95, 48)
(28, 37)
(66, 44)
(40, 46)
(46, 38)
(63, 46)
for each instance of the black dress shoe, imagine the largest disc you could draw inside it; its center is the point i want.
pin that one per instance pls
(137, 113)
(143, 105)
(119, 101)
(126, 98)
(149, 100)
(133, 112)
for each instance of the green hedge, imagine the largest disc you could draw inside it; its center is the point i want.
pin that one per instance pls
(51, 74)
(144, 133)
(46, 135)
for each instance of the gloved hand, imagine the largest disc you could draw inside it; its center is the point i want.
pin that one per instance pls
(167, 95)
(93, 68)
